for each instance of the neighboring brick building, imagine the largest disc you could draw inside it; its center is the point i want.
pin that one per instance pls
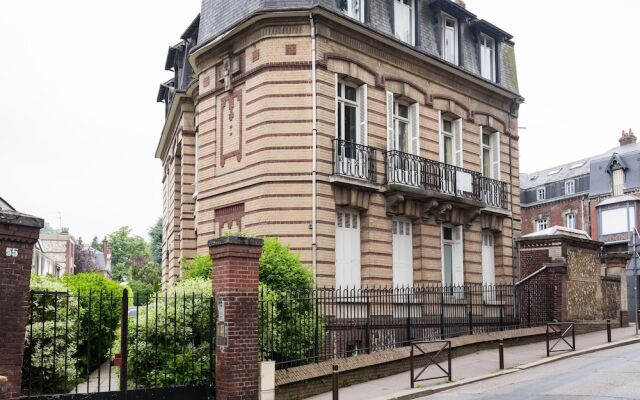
(60, 247)
(378, 138)
(599, 195)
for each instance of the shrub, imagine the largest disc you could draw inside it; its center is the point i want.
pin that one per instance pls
(199, 267)
(177, 351)
(281, 269)
(50, 348)
(101, 300)
(141, 292)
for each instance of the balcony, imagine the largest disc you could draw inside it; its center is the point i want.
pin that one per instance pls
(443, 179)
(353, 160)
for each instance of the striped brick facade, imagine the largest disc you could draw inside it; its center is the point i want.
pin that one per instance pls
(255, 148)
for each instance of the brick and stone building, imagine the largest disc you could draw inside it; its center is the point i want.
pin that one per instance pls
(61, 248)
(378, 138)
(599, 195)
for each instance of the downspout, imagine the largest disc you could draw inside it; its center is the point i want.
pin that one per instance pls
(582, 211)
(314, 159)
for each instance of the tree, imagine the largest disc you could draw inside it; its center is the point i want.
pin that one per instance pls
(96, 244)
(199, 267)
(125, 247)
(155, 233)
(84, 258)
(48, 230)
(120, 272)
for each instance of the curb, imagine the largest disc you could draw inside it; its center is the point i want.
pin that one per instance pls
(408, 394)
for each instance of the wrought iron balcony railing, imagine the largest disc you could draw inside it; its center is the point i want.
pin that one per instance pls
(411, 170)
(354, 160)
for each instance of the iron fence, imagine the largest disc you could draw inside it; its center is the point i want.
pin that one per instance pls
(318, 325)
(354, 160)
(88, 342)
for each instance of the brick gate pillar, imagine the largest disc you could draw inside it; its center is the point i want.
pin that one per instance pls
(235, 286)
(18, 233)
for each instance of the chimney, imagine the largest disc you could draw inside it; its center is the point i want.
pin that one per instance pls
(106, 250)
(627, 138)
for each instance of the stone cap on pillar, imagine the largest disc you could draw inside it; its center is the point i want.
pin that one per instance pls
(237, 240)
(17, 226)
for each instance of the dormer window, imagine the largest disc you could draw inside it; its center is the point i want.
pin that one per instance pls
(487, 57)
(352, 8)
(618, 182)
(404, 21)
(541, 193)
(450, 38)
(569, 187)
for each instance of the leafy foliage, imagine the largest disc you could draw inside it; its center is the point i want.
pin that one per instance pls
(101, 300)
(126, 247)
(177, 353)
(155, 234)
(200, 267)
(84, 258)
(281, 269)
(48, 330)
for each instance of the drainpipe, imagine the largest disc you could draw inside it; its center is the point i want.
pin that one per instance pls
(582, 212)
(314, 160)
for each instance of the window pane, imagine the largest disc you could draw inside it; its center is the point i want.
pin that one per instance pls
(486, 140)
(486, 162)
(448, 150)
(343, 5)
(403, 137)
(350, 93)
(448, 264)
(350, 123)
(447, 233)
(403, 110)
(446, 126)
(340, 122)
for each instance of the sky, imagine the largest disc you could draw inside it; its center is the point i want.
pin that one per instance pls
(79, 123)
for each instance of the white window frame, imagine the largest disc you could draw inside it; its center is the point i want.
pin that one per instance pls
(456, 139)
(571, 216)
(457, 251)
(456, 56)
(494, 152)
(542, 223)
(570, 187)
(617, 182)
(487, 42)
(541, 193)
(488, 261)
(352, 6)
(412, 29)
(349, 279)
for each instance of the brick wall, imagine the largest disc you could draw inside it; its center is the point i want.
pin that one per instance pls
(18, 234)
(556, 211)
(235, 285)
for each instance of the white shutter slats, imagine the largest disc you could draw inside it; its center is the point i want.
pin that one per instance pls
(362, 96)
(495, 156)
(457, 133)
(390, 141)
(415, 139)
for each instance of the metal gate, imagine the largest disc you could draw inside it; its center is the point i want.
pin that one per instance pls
(94, 345)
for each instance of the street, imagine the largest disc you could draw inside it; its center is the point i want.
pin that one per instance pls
(609, 374)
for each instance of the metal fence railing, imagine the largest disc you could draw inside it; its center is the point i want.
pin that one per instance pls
(318, 325)
(94, 342)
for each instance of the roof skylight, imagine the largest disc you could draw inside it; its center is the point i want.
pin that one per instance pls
(577, 165)
(555, 171)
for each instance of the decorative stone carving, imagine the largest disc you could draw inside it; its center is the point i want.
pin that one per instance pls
(346, 196)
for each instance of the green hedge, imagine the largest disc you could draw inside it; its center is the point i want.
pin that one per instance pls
(173, 340)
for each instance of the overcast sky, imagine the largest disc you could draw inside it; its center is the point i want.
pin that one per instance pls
(79, 121)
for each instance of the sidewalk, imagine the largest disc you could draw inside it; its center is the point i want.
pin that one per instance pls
(471, 365)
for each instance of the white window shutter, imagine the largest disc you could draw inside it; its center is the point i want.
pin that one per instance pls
(362, 134)
(415, 137)
(440, 137)
(458, 257)
(457, 132)
(390, 141)
(495, 156)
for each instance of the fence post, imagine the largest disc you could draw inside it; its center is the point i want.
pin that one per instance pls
(408, 315)
(609, 331)
(449, 362)
(501, 311)
(411, 366)
(235, 285)
(470, 294)
(501, 353)
(547, 339)
(442, 313)
(367, 339)
(124, 345)
(573, 335)
(335, 383)
(316, 333)
(18, 234)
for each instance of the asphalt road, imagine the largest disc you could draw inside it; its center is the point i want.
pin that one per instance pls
(607, 374)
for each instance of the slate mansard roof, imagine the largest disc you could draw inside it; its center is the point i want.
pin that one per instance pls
(219, 16)
(591, 172)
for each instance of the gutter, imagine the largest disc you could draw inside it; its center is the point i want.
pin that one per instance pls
(314, 152)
